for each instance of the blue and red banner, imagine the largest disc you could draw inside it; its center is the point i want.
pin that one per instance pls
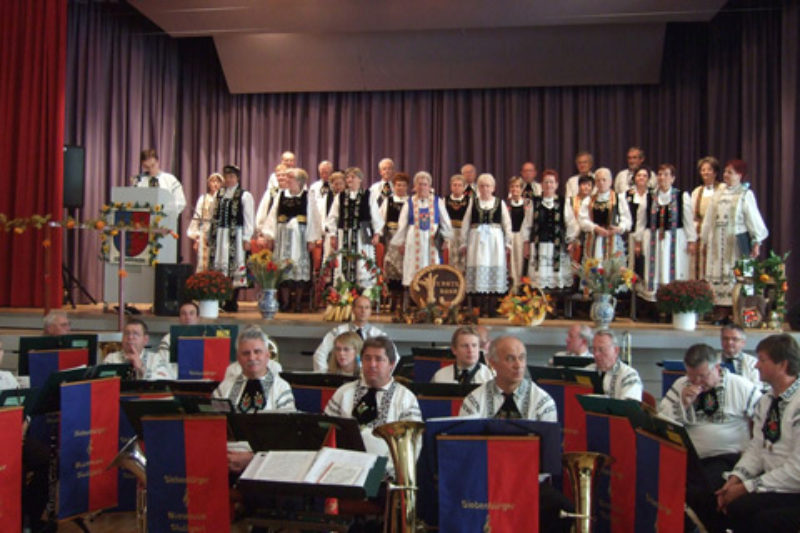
(203, 357)
(571, 415)
(311, 398)
(42, 363)
(660, 484)
(11, 469)
(88, 444)
(426, 366)
(187, 474)
(616, 484)
(488, 483)
(439, 407)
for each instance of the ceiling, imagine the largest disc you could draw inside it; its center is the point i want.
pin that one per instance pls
(375, 45)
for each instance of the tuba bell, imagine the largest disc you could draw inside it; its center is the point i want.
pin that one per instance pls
(132, 459)
(401, 502)
(582, 468)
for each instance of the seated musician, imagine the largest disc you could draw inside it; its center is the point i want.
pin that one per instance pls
(763, 491)
(579, 337)
(345, 357)
(375, 398)
(56, 323)
(147, 365)
(620, 380)
(717, 407)
(465, 346)
(256, 389)
(512, 395)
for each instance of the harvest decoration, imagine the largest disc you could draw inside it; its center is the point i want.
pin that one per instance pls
(527, 306)
(340, 296)
(685, 296)
(766, 276)
(609, 276)
(266, 272)
(208, 285)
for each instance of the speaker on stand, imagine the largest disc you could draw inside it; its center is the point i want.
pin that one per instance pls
(74, 162)
(170, 279)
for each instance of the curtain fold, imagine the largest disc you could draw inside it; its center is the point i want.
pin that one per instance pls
(723, 91)
(33, 40)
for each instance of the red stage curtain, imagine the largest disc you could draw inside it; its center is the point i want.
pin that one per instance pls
(32, 64)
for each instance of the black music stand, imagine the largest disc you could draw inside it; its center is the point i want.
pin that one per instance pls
(55, 342)
(201, 330)
(293, 431)
(572, 361)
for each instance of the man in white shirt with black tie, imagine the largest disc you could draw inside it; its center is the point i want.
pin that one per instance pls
(620, 380)
(382, 189)
(153, 176)
(624, 179)
(465, 346)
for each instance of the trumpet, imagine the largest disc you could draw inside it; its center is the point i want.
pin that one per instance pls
(132, 459)
(401, 502)
(582, 468)
(627, 346)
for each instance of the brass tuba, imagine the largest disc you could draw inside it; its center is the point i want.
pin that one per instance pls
(582, 468)
(132, 459)
(626, 348)
(401, 501)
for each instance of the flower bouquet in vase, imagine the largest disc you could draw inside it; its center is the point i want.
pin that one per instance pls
(267, 274)
(209, 288)
(603, 279)
(685, 300)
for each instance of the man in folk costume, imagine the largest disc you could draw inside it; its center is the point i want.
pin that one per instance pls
(666, 234)
(456, 203)
(530, 186)
(604, 217)
(317, 232)
(470, 174)
(423, 221)
(382, 189)
(732, 229)
(356, 221)
(286, 233)
(708, 169)
(267, 199)
(319, 198)
(230, 233)
(550, 237)
(393, 260)
(486, 242)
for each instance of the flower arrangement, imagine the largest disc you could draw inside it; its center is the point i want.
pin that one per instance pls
(208, 285)
(609, 276)
(266, 272)
(685, 296)
(340, 295)
(766, 275)
(527, 306)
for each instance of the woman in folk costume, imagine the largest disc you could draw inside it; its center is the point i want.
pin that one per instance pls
(550, 237)
(636, 197)
(356, 223)
(456, 203)
(201, 220)
(231, 229)
(390, 212)
(708, 168)
(423, 221)
(732, 229)
(286, 233)
(604, 216)
(571, 216)
(486, 242)
(317, 233)
(665, 236)
(518, 206)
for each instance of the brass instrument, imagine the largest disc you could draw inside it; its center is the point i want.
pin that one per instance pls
(132, 459)
(582, 468)
(401, 502)
(627, 345)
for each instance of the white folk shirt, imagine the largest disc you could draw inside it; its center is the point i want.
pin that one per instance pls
(277, 392)
(447, 374)
(324, 349)
(725, 431)
(156, 365)
(744, 365)
(170, 183)
(767, 467)
(621, 382)
(533, 403)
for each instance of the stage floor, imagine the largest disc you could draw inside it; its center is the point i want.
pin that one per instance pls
(298, 334)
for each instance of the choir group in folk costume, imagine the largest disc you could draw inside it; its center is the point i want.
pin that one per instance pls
(667, 234)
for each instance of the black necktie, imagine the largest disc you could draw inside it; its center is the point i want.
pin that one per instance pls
(366, 410)
(154, 181)
(509, 408)
(360, 332)
(387, 189)
(253, 397)
(772, 425)
(325, 189)
(707, 402)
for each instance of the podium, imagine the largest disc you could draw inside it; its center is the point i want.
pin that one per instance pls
(140, 281)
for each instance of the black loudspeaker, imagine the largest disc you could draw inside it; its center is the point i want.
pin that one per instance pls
(73, 176)
(170, 279)
(793, 317)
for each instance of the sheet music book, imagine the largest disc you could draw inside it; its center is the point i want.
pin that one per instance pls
(328, 466)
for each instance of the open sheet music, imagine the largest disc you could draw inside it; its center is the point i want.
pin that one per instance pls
(328, 466)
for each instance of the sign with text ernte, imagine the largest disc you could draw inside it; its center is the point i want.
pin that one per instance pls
(442, 285)
(89, 432)
(187, 474)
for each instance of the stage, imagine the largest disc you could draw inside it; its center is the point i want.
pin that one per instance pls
(299, 334)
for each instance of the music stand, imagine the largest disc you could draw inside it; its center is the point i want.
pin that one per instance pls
(14, 397)
(569, 375)
(201, 330)
(294, 431)
(55, 342)
(572, 361)
(315, 379)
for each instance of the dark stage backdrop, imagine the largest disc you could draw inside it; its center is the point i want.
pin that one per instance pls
(728, 88)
